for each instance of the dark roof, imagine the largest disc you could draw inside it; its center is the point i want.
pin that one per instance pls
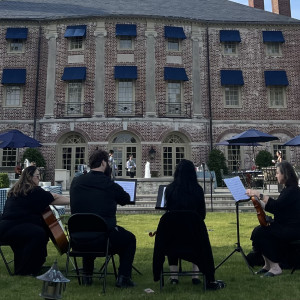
(202, 10)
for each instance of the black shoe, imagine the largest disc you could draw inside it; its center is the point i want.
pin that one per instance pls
(215, 285)
(87, 280)
(124, 282)
(174, 281)
(261, 271)
(196, 281)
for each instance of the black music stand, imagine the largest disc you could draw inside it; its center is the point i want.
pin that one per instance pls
(238, 247)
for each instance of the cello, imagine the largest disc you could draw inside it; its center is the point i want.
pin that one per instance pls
(261, 215)
(55, 230)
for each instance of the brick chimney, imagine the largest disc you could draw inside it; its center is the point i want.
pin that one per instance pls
(281, 7)
(257, 3)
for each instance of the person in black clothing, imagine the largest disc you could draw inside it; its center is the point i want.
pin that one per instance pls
(22, 226)
(185, 193)
(95, 192)
(271, 241)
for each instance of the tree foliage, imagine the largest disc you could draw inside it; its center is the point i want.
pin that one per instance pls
(216, 162)
(263, 159)
(33, 154)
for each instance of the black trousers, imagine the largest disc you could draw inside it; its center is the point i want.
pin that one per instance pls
(29, 244)
(123, 243)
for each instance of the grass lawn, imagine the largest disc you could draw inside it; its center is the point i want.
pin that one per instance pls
(241, 284)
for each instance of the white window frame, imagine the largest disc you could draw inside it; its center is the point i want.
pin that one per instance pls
(125, 39)
(5, 154)
(230, 91)
(10, 87)
(271, 47)
(172, 86)
(272, 91)
(12, 46)
(78, 100)
(231, 48)
(76, 43)
(125, 94)
(173, 41)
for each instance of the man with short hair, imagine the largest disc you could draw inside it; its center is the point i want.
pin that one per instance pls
(96, 193)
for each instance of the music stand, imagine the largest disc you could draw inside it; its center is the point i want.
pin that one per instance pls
(238, 192)
(238, 247)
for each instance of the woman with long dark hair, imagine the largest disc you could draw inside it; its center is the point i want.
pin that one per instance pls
(271, 241)
(22, 226)
(185, 193)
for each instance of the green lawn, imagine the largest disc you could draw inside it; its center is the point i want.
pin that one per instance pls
(241, 284)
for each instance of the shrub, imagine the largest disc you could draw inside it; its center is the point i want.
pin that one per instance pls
(263, 159)
(216, 162)
(4, 180)
(33, 154)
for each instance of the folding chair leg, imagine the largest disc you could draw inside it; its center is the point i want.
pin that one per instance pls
(6, 263)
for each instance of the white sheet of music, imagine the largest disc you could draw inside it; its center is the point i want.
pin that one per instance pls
(236, 188)
(129, 187)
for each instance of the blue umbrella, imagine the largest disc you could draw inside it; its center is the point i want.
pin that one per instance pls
(293, 142)
(17, 139)
(252, 136)
(226, 143)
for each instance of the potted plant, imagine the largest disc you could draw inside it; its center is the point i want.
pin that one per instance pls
(263, 159)
(217, 162)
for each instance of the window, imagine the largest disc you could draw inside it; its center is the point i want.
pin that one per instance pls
(126, 43)
(234, 158)
(125, 97)
(9, 157)
(76, 43)
(283, 149)
(230, 48)
(174, 97)
(277, 96)
(273, 49)
(173, 44)
(13, 95)
(16, 45)
(74, 98)
(232, 95)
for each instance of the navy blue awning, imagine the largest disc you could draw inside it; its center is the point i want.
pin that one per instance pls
(273, 37)
(14, 76)
(172, 32)
(276, 78)
(232, 77)
(175, 74)
(16, 33)
(125, 30)
(125, 72)
(75, 31)
(74, 73)
(230, 36)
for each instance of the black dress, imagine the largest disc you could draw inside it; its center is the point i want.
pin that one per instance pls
(22, 227)
(272, 240)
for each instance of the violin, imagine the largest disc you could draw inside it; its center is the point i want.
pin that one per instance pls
(261, 215)
(152, 234)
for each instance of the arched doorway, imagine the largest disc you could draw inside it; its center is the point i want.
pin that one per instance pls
(174, 150)
(72, 151)
(123, 144)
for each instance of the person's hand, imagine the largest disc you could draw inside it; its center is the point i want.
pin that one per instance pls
(250, 193)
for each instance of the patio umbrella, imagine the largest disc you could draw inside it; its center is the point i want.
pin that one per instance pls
(252, 136)
(16, 139)
(226, 143)
(293, 142)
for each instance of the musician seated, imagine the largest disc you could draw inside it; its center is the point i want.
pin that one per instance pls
(95, 192)
(22, 226)
(185, 193)
(272, 240)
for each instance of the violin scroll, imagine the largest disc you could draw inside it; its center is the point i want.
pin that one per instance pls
(152, 234)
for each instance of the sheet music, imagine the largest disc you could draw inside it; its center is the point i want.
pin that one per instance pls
(161, 201)
(236, 188)
(129, 187)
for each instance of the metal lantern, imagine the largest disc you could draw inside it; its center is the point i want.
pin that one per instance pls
(54, 283)
(152, 153)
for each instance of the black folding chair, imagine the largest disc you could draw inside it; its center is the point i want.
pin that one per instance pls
(6, 261)
(83, 230)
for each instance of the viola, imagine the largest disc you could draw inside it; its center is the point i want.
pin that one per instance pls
(261, 215)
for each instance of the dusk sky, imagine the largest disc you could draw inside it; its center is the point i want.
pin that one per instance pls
(295, 6)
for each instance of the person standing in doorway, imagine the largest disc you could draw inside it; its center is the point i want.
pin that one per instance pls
(131, 166)
(112, 164)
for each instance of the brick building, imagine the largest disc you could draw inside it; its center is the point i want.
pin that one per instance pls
(159, 79)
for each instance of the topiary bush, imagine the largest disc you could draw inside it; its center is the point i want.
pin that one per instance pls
(33, 154)
(216, 162)
(263, 159)
(4, 180)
